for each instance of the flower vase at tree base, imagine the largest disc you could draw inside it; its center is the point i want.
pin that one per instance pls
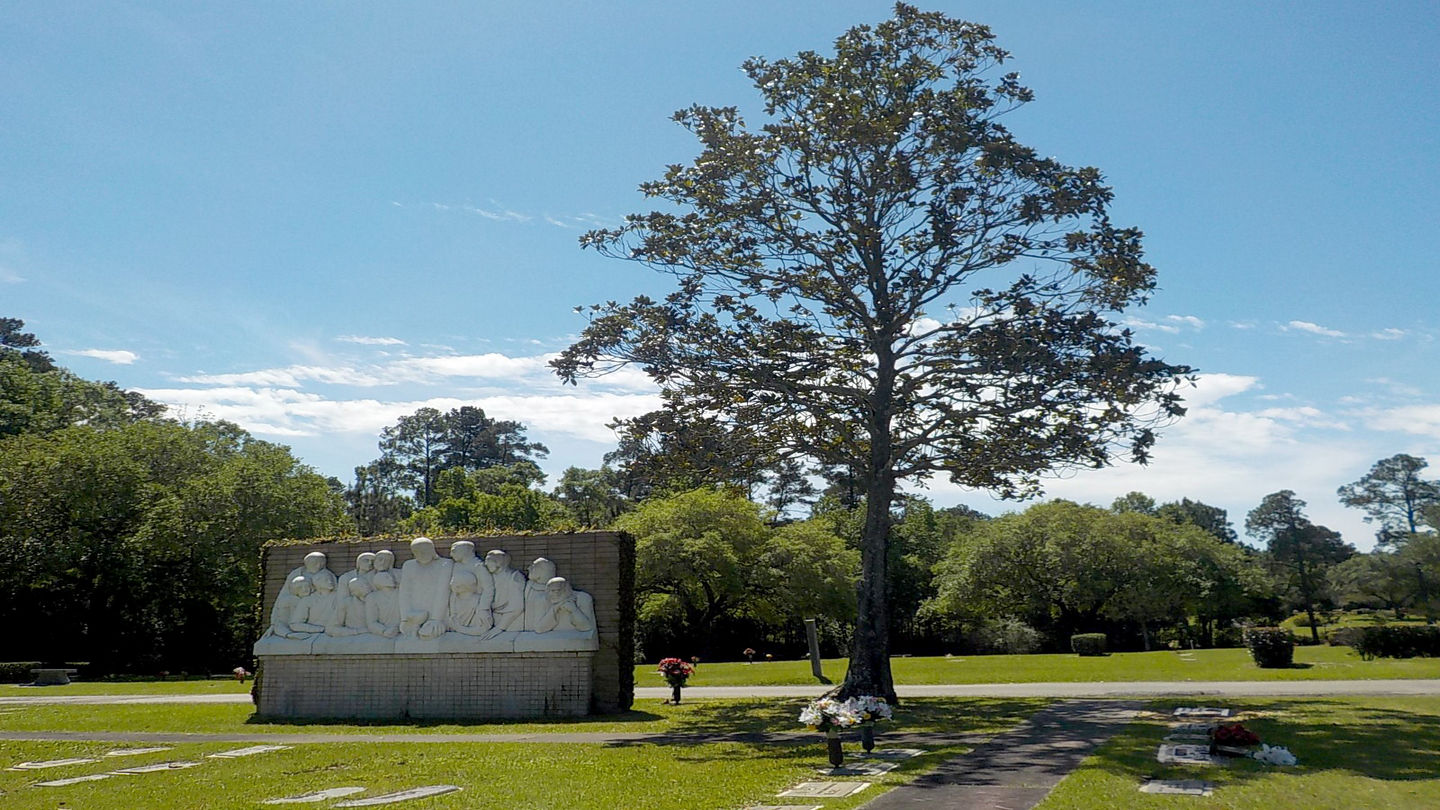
(832, 747)
(867, 737)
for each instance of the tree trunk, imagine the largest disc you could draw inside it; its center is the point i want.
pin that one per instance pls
(869, 672)
(1314, 631)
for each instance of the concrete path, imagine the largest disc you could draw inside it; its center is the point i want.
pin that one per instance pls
(1018, 769)
(1054, 690)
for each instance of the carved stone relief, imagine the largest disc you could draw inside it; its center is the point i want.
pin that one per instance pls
(430, 604)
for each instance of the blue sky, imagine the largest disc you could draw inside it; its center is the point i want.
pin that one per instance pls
(311, 218)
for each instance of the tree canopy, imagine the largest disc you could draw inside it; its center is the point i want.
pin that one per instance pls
(1394, 495)
(881, 278)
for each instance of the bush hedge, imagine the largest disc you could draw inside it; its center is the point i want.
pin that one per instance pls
(1344, 636)
(1088, 643)
(17, 671)
(1398, 641)
(1271, 647)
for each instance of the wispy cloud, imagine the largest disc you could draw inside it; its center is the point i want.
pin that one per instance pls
(1170, 324)
(1389, 334)
(496, 211)
(119, 357)
(1312, 328)
(8, 276)
(371, 341)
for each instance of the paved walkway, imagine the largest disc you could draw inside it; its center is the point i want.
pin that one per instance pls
(1054, 690)
(1017, 769)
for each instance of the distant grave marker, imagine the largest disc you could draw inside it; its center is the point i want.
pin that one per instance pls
(892, 753)
(156, 768)
(247, 752)
(1201, 711)
(401, 796)
(824, 790)
(1182, 754)
(317, 796)
(50, 763)
(1178, 787)
(74, 780)
(861, 769)
(135, 752)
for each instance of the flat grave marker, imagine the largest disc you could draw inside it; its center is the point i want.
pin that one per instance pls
(247, 752)
(861, 769)
(50, 763)
(74, 780)
(1201, 711)
(823, 790)
(1186, 755)
(317, 796)
(892, 753)
(156, 768)
(1178, 787)
(785, 807)
(401, 796)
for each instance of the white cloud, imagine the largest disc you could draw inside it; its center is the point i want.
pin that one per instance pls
(119, 357)
(8, 276)
(1312, 328)
(1420, 420)
(1217, 386)
(371, 341)
(294, 377)
(1188, 320)
(1389, 334)
(1137, 323)
(1242, 324)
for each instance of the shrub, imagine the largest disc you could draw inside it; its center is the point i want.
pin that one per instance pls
(1344, 636)
(1398, 641)
(1008, 635)
(1271, 647)
(1088, 643)
(1229, 637)
(17, 671)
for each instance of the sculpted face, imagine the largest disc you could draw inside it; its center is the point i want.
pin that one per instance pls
(324, 581)
(358, 588)
(541, 570)
(557, 590)
(384, 560)
(424, 550)
(314, 561)
(365, 563)
(300, 586)
(496, 560)
(463, 551)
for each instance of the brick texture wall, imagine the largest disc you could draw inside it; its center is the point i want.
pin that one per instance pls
(600, 563)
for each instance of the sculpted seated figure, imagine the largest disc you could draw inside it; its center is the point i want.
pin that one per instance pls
(364, 569)
(351, 632)
(314, 563)
(509, 606)
(568, 622)
(424, 596)
(385, 561)
(317, 610)
(536, 600)
(280, 637)
(382, 607)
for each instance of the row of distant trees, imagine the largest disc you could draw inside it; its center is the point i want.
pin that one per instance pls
(131, 540)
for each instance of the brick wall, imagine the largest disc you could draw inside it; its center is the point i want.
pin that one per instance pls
(600, 563)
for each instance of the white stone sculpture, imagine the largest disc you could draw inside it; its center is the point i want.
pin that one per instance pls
(314, 564)
(424, 591)
(364, 569)
(509, 606)
(385, 561)
(465, 615)
(430, 604)
(536, 599)
(567, 624)
(382, 607)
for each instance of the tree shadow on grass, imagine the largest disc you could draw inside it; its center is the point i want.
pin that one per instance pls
(499, 725)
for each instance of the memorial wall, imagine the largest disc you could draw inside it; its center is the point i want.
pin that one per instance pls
(447, 628)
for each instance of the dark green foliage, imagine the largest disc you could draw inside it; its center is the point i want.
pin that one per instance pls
(1088, 643)
(880, 278)
(1299, 551)
(17, 671)
(1394, 495)
(24, 345)
(1212, 519)
(419, 447)
(1271, 647)
(1398, 641)
(1344, 636)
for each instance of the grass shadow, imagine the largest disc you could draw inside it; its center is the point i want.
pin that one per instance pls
(500, 725)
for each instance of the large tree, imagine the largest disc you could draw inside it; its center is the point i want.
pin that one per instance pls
(1302, 552)
(882, 278)
(1393, 495)
(420, 446)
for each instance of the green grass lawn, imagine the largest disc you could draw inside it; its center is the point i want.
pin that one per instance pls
(207, 687)
(696, 776)
(1313, 663)
(1372, 753)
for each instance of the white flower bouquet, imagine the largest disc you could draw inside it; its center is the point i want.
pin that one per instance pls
(828, 714)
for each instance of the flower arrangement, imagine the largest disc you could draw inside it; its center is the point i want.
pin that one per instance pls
(1234, 734)
(750, 655)
(870, 708)
(675, 670)
(829, 714)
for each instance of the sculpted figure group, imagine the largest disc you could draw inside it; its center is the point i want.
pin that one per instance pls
(431, 604)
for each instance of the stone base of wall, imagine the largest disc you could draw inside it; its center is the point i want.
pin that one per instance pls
(471, 686)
